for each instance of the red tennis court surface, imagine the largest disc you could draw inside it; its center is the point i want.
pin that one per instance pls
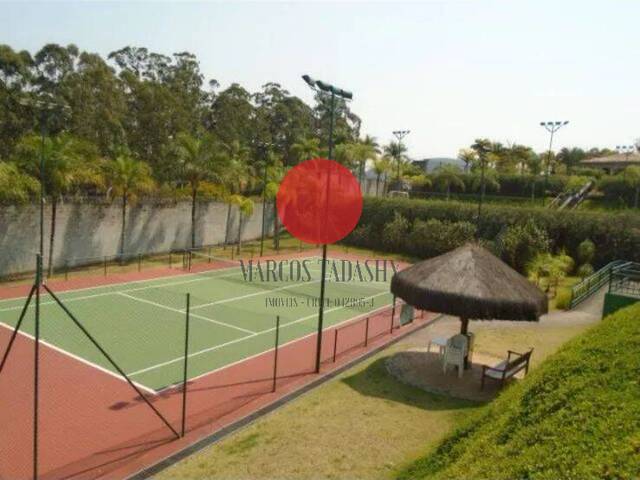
(92, 424)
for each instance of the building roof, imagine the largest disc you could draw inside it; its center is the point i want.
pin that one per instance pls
(616, 160)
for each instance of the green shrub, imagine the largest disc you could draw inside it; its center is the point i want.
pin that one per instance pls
(433, 237)
(521, 243)
(394, 234)
(563, 299)
(575, 416)
(616, 235)
(586, 251)
(585, 270)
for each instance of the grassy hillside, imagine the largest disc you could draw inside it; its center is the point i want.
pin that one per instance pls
(576, 416)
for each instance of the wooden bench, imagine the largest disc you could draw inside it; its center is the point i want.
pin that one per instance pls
(506, 369)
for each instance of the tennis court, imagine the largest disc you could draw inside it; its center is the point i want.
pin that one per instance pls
(142, 323)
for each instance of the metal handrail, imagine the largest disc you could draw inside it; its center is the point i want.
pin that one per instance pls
(594, 282)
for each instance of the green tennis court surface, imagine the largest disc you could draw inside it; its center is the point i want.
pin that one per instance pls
(141, 324)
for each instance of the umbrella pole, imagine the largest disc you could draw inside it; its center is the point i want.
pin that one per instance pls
(464, 328)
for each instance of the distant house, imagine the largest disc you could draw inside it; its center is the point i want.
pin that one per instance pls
(613, 163)
(428, 165)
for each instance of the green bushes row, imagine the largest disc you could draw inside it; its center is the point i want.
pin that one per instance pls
(511, 185)
(575, 416)
(616, 236)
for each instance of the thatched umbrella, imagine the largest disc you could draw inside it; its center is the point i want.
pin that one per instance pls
(471, 283)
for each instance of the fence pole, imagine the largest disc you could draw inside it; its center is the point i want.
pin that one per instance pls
(335, 345)
(275, 354)
(109, 359)
(105, 266)
(170, 260)
(66, 271)
(36, 366)
(139, 261)
(393, 313)
(366, 332)
(186, 365)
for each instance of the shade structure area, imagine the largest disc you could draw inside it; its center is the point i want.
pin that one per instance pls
(471, 283)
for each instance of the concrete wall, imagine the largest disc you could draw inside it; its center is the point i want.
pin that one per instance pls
(85, 231)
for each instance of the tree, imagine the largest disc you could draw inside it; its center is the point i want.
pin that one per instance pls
(632, 178)
(469, 157)
(127, 178)
(237, 174)
(15, 186)
(245, 209)
(68, 163)
(447, 176)
(306, 149)
(362, 151)
(198, 160)
(571, 157)
(397, 152)
(381, 166)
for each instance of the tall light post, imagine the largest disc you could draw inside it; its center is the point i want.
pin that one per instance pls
(334, 92)
(552, 128)
(400, 134)
(625, 150)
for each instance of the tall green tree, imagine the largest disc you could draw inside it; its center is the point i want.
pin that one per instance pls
(306, 149)
(381, 166)
(397, 152)
(68, 163)
(199, 159)
(127, 178)
(447, 176)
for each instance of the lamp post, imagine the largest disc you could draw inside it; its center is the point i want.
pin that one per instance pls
(334, 92)
(400, 134)
(552, 128)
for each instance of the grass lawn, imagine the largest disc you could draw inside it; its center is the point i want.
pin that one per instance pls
(363, 424)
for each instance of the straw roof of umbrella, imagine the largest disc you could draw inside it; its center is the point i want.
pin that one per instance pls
(471, 283)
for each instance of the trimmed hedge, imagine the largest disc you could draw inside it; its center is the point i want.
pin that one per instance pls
(616, 235)
(575, 416)
(511, 185)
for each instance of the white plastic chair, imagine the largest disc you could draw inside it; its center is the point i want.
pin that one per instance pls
(454, 353)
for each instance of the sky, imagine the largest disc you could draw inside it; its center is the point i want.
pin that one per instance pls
(448, 71)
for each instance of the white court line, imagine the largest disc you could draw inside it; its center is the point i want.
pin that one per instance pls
(159, 305)
(79, 359)
(261, 292)
(217, 347)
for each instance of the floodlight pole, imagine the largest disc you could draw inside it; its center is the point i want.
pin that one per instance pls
(400, 134)
(552, 128)
(334, 91)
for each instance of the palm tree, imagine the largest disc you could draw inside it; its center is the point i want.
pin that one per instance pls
(245, 208)
(68, 163)
(275, 174)
(361, 152)
(397, 152)
(199, 160)
(381, 166)
(469, 157)
(236, 176)
(128, 177)
(305, 149)
(447, 176)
